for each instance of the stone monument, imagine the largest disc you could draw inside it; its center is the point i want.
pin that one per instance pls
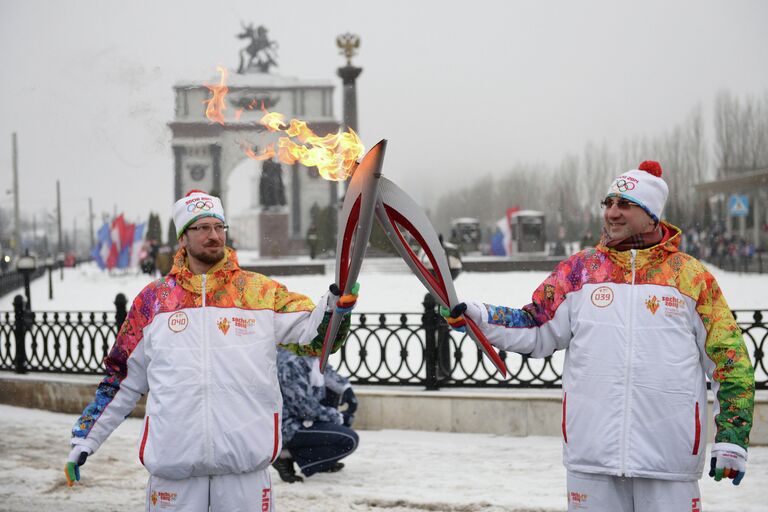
(205, 153)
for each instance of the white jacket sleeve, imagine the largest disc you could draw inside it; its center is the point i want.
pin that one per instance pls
(538, 329)
(118, 392)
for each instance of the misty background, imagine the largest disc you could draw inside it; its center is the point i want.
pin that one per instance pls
(486, 104)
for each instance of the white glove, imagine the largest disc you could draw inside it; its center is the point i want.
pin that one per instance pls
(76, 458)
(728, 460)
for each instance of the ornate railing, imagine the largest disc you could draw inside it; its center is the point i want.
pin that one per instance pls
(13, 280)
(397, 349)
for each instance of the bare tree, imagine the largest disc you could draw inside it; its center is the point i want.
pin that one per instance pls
(741, 133)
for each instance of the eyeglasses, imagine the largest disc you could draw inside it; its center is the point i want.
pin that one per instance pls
(623, 204)
(205, 229)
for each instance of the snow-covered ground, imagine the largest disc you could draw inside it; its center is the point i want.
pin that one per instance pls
(392, 471)
(396, 471)
(386, 285)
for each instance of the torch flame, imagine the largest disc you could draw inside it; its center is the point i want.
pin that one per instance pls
(273, 121)
(335, 155)
(268, 153)
(216, 105)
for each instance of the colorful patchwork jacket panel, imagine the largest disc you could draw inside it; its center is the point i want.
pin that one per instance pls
(642, 329)
(204, 349)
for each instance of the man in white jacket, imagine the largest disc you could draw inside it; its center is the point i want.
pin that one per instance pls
(201, 344)
(643, 325)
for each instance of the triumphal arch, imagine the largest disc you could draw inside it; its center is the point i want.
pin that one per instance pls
(206, 152)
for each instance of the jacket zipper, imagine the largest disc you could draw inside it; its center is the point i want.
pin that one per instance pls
(628, 370)
(206, 380)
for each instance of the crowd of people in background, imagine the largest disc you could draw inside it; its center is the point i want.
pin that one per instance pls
(728, 252)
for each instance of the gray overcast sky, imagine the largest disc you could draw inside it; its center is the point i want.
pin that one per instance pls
(456, 87)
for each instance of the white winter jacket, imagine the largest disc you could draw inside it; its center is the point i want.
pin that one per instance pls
(642, 329)
(204, 348)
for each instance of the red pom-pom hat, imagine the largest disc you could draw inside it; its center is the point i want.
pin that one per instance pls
(643, 186)
(651, 167)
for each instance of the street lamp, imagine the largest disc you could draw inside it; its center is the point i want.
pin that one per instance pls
(49, 261)
(26, 265)
(60, 259)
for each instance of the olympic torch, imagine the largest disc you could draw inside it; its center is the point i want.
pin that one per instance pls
(396, 210)
(355, 222)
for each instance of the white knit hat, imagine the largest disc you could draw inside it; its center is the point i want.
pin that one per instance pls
(643, 186)
(195, 205)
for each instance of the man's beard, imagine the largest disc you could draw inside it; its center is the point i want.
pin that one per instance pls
(207, 257)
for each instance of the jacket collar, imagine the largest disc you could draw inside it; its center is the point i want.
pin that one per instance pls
(216, 276)
(670, 243)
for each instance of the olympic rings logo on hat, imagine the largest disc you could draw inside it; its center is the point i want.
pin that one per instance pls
(624, 185)
(200, 206)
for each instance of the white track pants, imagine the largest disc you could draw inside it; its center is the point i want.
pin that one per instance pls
(246, 492)
(605, 493)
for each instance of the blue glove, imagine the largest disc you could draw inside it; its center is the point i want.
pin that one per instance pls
(76, 459)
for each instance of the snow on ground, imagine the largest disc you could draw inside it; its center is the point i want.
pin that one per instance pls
(386, 285)
(396, 471)
(392, 471)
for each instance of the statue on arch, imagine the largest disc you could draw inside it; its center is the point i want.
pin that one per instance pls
(271, 189)
(260, 53)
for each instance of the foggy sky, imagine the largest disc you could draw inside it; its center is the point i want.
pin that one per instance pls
(458, 88)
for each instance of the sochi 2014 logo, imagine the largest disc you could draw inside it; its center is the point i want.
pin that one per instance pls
(652, 304)
(623, 184)
(166, 499)
(223, 325)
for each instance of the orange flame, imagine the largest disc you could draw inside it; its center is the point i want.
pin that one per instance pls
(335, 155)
(268, 153)
(216, 105)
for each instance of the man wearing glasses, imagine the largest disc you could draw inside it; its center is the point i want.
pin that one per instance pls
(202, 342)
(644, 326)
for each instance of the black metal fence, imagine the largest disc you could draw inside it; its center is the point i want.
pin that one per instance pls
(13, 280)
(399, 349)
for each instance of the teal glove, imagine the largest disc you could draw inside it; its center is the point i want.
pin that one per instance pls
(76, 459)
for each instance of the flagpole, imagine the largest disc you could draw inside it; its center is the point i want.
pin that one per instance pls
(58, 216)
